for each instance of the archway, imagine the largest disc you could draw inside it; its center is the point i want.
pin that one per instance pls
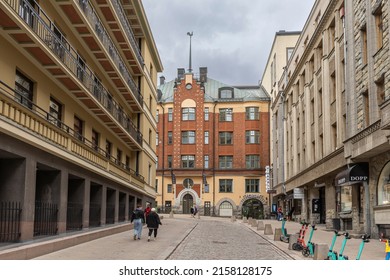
(188, 202)
(226, 209)
(253, 208)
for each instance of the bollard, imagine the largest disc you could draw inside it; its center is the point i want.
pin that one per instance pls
(171, 214)
(233, 218)
(244, 220)
(198, 215)
(320, 251)
(161, 217)
(278, 233)
(268, 229)
(292, 239)
(254, 223)
(260, 225)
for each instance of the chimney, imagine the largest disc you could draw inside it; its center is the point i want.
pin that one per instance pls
(162, 80)
(180, 73)
(203, 74)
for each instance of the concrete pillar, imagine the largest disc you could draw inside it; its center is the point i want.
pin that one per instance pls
(260, 225)
(171, 214)
(253, 223)
(244, 220)
(233, 218)
(320, 251)
(86, 203)
(63, 200)
(268, 229)
(293, 239)
(278, 233)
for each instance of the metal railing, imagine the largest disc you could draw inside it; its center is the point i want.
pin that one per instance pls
(74, 216)
(10, 212)
(36, 110)
(44, 28)
(45, 218)
(110, 47)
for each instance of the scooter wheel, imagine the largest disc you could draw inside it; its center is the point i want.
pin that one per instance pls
(296, 247)
(306, 252)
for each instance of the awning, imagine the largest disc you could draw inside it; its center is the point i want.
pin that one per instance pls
(352, 175)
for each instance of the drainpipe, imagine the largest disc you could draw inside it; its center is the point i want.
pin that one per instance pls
(163, 157)
(214, 140)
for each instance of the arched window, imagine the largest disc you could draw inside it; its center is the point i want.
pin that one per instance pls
(383, 188)
(188, 183)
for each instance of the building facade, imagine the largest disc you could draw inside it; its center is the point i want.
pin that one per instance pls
(212, 147)
(331, 111)
(77, 115)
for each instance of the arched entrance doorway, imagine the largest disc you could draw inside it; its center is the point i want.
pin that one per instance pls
(253, 208)
(188, 202)
(226, 209)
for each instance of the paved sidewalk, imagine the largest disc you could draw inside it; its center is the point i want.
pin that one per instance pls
(373, 250)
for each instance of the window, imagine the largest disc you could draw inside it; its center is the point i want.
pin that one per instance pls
(169, 158)
(252, 161)
(188, 114)
(206, 162)
(289, 53)
(363, 38)
(108, 149)
(225, 185)
(252, 113)
(380, 90)
(169, 188)
(170, 138)
(127, 163)
(366, 109)
(95, 140)
(188, 137)
(78, 128)
(225, 162)
(24, 89)
(150, 137)
(379, 28)
(157, 115)
(252, 185)
(346, 198)
(206, 114)
(384, 186)
(226, 138)
(170, 114)
(226, 93)
(188, 183)
(252, 137)
(226, 115)
(188, 161)
(206, 137)
(118, 156)
(55, 112)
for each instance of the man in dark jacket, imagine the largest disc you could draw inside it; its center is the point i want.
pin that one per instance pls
(152, 222)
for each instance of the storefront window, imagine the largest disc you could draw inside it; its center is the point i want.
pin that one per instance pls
(384, 186)
(346, 198)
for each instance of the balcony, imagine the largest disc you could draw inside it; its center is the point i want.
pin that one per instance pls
(62, 61)
(20, 112)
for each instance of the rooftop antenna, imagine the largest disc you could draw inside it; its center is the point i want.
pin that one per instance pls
(190, 34)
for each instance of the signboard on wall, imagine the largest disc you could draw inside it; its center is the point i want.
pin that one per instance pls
(315, 206)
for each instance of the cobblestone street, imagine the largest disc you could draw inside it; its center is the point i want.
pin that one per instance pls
(223, 240)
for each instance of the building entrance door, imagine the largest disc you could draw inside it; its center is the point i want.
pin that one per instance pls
(188, 202)
(253, 208)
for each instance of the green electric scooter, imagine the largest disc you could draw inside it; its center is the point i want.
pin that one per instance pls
(284, 237)
(332, 255)
(309, 249)
(341, 256)
(365, 239)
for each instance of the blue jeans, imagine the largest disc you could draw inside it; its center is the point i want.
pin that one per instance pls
(387, 258)
(138, 227)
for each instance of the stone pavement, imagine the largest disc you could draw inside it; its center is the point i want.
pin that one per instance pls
(183, 237)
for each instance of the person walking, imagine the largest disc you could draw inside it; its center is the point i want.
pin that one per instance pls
(153, 222)
(387, 248)
(280, 213)
(139, 219)
(147, 210)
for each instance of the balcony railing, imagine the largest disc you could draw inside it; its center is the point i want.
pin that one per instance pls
(105, 39)
(54, 130)
(44, 28)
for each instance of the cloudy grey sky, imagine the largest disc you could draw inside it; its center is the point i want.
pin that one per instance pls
(232, 38)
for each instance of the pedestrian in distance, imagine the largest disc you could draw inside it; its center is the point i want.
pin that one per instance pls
(195, 210)
(153, 222)
(147, 210)
(290, 213)
(139, 219)
(280, 213)
(192, 211)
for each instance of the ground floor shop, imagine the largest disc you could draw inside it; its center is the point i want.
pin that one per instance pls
(42, 194)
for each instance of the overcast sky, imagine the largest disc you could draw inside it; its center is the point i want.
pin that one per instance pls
(232, 38)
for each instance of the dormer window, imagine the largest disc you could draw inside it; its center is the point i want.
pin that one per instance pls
(226, 93)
